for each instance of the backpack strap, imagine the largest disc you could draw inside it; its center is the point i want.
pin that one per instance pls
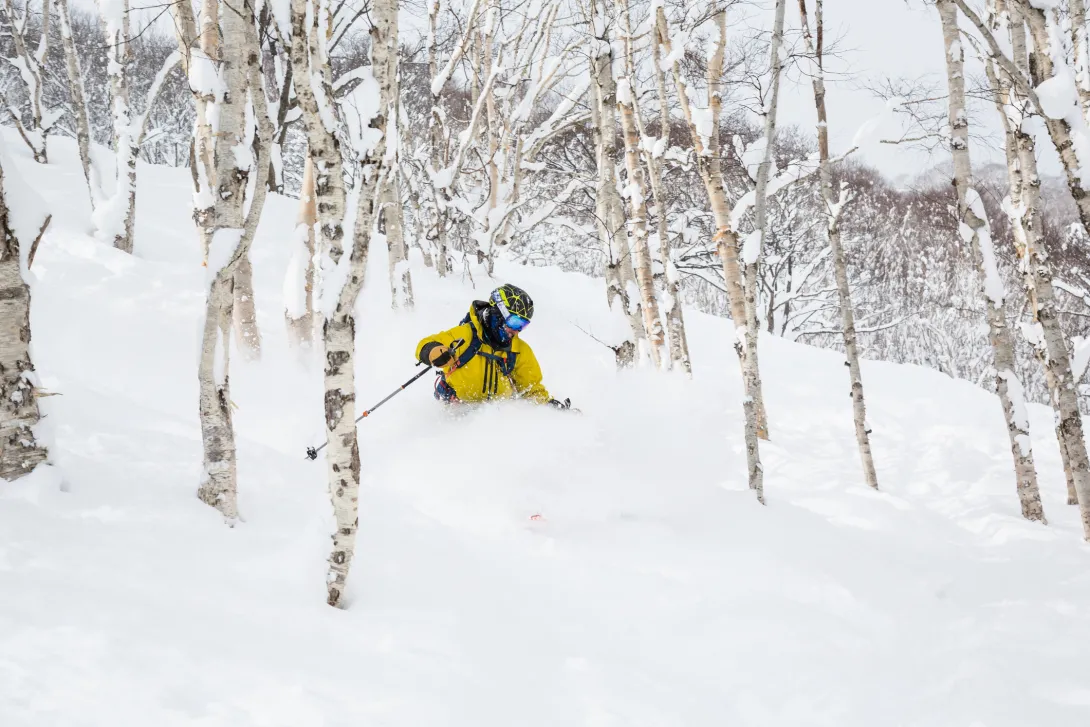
(474, 344)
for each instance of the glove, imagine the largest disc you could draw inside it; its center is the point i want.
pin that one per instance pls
(566, 404)
(435, 354)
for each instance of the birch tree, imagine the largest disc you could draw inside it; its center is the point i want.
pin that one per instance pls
(391, 218)
(704, 130)
(78, 102)
(1048, 85)
(299, 282)
(834, 207)
(31, 67)
(23, 221)
(1023, 210)
(314, 94)
(637, 193)
(621, 293)
(975, 230)
(751, 249)
(227, 215)
(340, 292)
(654, 151)
(114, 217)
(437, 228)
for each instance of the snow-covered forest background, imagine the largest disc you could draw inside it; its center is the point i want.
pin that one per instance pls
(914, 281)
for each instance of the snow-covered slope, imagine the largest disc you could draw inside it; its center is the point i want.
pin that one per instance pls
(656, 591)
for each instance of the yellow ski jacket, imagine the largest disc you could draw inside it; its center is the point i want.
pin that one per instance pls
(478, 372)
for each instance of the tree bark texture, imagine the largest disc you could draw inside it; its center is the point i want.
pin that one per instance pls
(20, 450)
(247, 332)
(342, 451)
(230, 230)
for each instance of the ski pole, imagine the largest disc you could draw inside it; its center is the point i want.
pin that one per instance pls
(312, 452)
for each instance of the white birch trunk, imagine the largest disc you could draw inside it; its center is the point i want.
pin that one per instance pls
(20, 450)
(834, 205)
(342, 451)
(1060, 131)
(116, 218)
(976, 231)
(671, 283)
(618, 267)
(315, 96)
(300, 323)
(726, 237)
(393, 213)
(401, 282)
(751, 252)
(1077, 10)
(1023, 209)
(79, 104)
(636, 191)
(185, 31)
(437, 227)
(230, 229)
(247, 332)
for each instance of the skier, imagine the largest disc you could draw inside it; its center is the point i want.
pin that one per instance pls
(484, 357)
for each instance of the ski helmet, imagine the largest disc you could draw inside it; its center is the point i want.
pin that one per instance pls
(514, 304)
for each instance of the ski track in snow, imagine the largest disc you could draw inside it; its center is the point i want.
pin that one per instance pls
(656, 591)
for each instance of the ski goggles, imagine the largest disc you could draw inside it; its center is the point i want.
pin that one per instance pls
(515, 322)
(512, 320)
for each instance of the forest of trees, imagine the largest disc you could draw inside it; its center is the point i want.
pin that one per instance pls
(633, 140)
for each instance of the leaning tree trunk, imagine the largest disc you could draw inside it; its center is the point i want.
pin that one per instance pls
(976, 231)
(20, 450)
(834, 206)
(726, 237)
